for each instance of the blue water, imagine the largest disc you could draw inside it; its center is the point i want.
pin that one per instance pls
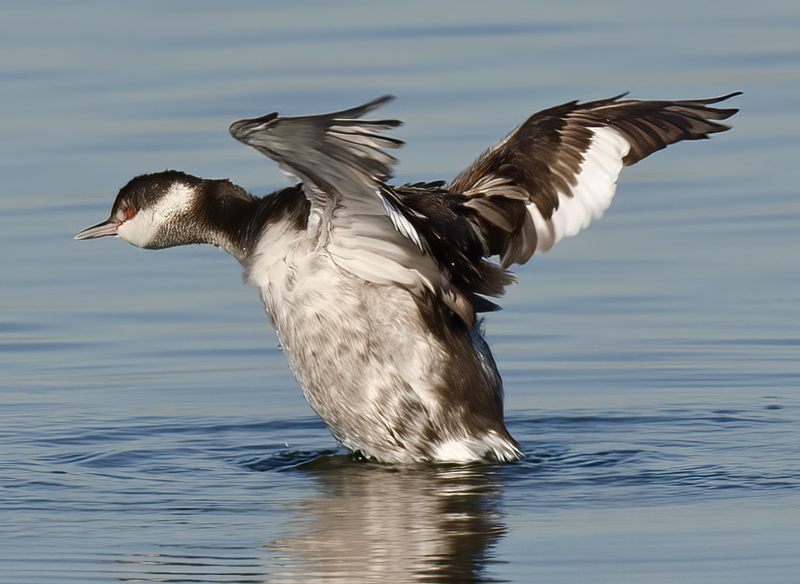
(150, 430)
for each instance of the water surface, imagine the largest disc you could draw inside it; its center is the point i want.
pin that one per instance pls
(150, 429)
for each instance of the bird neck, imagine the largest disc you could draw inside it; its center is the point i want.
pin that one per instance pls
(235, 219)
(224, 211)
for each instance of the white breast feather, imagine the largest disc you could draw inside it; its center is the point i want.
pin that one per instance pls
(358, 351)
(316, 306)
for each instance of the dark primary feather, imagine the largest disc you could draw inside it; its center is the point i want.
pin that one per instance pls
(650, 126)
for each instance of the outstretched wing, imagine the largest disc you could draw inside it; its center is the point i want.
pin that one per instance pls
(342, 162)
(557, 172)
(328, 152)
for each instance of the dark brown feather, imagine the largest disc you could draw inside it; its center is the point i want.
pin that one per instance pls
(542, 158)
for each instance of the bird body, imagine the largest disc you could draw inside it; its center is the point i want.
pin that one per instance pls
(374, 290)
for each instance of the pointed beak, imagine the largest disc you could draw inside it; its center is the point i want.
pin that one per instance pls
(107, 227)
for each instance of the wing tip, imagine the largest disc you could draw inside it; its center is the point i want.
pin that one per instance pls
(360, 110)
(240, 129)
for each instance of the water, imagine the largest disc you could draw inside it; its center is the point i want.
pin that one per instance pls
(150, 429)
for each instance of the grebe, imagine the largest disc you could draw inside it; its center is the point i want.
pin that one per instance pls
(374, 289)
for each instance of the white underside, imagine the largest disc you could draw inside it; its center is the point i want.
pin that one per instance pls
(366, 363)
(332, 326)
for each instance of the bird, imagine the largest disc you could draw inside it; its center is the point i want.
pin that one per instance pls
(377, 292)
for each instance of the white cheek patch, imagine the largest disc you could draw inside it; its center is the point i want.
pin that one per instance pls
(138, 230)
(141, 229)
(595, 186)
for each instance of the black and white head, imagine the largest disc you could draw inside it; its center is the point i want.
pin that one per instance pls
(154, 211)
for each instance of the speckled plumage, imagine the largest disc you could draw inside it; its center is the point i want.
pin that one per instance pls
(374, 289)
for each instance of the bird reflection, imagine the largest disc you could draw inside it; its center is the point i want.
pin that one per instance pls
(372, 523)
(365, 522)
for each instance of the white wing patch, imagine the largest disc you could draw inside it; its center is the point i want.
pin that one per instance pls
(594, 188)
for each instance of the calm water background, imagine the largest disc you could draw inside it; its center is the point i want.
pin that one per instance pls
(149, 427)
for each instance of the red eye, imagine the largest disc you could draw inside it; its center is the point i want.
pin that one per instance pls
(125, 213)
